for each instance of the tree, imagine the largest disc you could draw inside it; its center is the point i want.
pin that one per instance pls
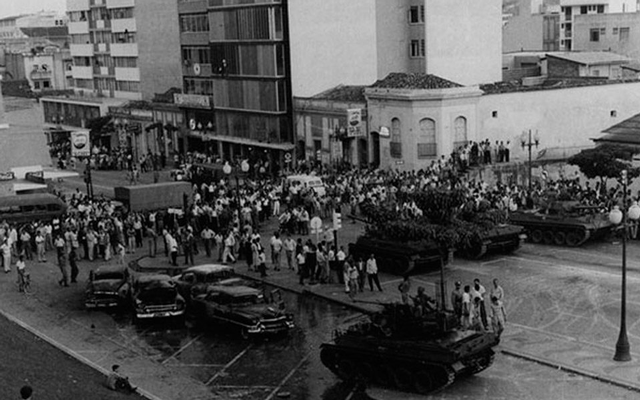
(605, 161)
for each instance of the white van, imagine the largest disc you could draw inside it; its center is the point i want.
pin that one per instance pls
(306, 181)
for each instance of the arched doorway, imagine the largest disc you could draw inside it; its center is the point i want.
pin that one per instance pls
(363, 152)
(375, 149)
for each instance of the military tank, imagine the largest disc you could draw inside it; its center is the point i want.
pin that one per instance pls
(398, 349)
(399, 258)
(563, 223)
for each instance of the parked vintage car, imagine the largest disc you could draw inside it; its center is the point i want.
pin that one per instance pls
(108, 286)
(156, 296)
(243, 308)
(194, 280)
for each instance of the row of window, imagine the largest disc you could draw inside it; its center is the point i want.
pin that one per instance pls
(258, 23)
(241, 94)
(427, 141)
(104, 37)
(97, 14)
(238, 59)
(194, 23)
(596, 33)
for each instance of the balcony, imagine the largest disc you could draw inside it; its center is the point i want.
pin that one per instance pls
(82, 72)
(192, 6)
(101, 47)
(78, 28)
(124, 24)
(192, 70)
(194, 38)
(120, 3)
(127, 74)
(124, 50)
(81, 50)
(77, 5)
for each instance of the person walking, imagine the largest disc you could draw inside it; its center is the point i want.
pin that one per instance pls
(372, 273)
(229, 242)
(59, 243)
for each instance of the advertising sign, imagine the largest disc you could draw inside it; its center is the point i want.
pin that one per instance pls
(80, 144)
(354, 122)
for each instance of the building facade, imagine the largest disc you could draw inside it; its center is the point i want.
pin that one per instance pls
(115, 46)
(617, 33)
(236, 78)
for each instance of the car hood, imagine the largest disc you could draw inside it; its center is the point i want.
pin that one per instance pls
(261, 311)
(107, 285)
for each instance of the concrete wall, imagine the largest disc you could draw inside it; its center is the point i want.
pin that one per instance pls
(523, 31)
(563, 117)
(562, 68)
(158, 46)
(464, 40)
(608, 42)
(339, 48)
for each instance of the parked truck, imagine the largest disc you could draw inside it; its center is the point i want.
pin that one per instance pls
(154, 196)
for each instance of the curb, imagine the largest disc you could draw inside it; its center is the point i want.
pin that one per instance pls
(68, 351)
(574, 370)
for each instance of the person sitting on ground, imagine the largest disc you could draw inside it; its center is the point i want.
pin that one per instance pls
(117, 382)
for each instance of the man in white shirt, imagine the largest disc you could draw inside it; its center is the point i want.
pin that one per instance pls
(276, 249)
(372, 273)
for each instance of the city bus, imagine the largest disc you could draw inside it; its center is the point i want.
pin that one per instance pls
(30, 207)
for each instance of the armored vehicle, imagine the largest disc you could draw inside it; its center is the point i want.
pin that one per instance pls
(563, 223)
(397, 257)
(412, 352)
(502, 237)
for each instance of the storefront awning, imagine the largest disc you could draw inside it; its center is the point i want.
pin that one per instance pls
(247, 142)
(626, 132)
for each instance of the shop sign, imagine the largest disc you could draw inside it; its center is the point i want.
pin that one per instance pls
(354, 122)
(192, 101)
(80, 144)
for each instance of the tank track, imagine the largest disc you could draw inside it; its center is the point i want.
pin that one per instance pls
(478, 364)
(407, 375)
(559, 237)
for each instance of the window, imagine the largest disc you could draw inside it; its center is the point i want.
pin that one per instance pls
(494, 114)
(583, 9)
(600, 9)
(194, 23)
(603, 31)
(460, 132)
(396, 139)
(615, 31)
(427, 145)
(414, 14)
(414, 50)
(36, 85)
(422, 48)
(614, 113)
(624, 34)
(46, 84)
(594, 35)
(126, 62)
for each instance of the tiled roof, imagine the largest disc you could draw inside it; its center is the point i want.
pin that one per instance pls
(400, 80)
(591, 57)
(343, 93)
(50, 31)
(548, 84)
(625, 132)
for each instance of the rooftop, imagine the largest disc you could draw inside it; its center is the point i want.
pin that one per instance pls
(343, 93)
(549, 84)
(627, 132)
(401, 80)
(591, 57)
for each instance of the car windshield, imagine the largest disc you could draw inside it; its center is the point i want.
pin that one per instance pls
(249, 299)
(109, 275)
(157, 294)
(217, 276)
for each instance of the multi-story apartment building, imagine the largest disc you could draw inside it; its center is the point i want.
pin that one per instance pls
(124, 48)
(570, 9)
(618, 33)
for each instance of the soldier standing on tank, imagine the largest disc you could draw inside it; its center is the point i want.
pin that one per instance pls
(456, 300)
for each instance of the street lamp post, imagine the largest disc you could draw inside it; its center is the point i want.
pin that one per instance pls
(528, 142)
(616, 217)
